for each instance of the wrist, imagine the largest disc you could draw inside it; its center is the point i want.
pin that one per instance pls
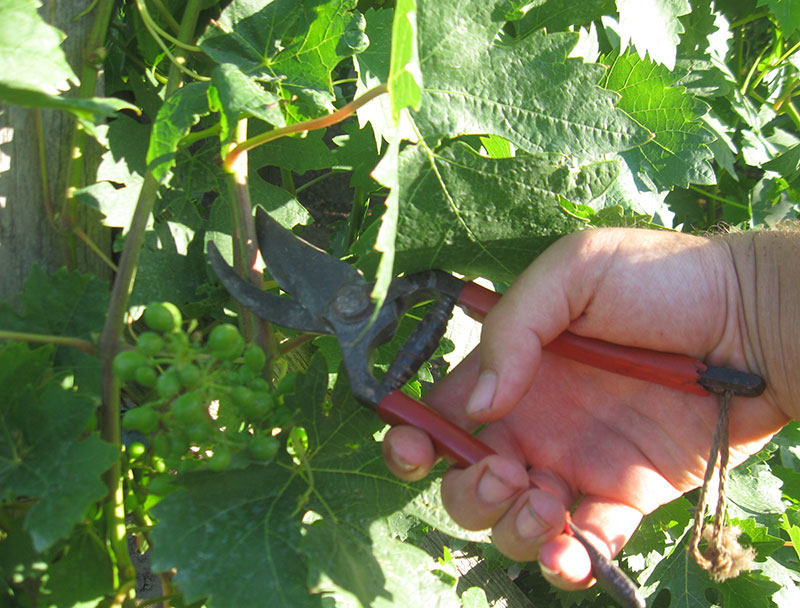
(766, 291)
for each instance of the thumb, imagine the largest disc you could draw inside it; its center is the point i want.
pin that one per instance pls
(538, 306)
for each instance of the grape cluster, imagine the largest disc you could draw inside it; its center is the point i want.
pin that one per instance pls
(209, 406)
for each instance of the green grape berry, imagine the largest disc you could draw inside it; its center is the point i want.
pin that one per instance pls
(136, 450)
(161, 445)
(259, 406)
(258, 384)
(142, 419)
(126, 363)
(243, 397)
(168, 384)
(254, 358)
(220, 460)
(263, 448)
(189, 409)
(149, 343)
(146, 376)
(245, 374)
(163, 317)
(190, 375)
(223, 338)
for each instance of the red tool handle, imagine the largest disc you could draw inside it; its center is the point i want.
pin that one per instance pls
(668, 369)
(451, 441)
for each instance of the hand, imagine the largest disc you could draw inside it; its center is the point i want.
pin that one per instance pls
(568, 434)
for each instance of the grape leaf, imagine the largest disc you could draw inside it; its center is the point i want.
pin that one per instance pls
(296, 44)
(405, 75)
(787, 13)
(556, 16)
(31, 49)
(179, 112)
(298, 154)
(239, 95)
(35, 68)
(753, 491)
(477, 216)
(529, 92)
(120, 174)
(787, 164)
(354, 150)
(678, 154)
(40, 455)
(82, 576)
(653, 27)
(65, 304)
(241, 536)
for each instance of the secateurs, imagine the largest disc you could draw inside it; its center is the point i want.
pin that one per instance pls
(332, 297)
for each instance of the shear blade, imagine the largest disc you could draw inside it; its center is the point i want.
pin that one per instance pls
(268, 306)
(309, 274)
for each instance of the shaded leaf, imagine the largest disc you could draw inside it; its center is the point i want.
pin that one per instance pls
(179, 112)
(33, 60)
(298, 154)
(296, 44)
(240, 95)
(259, 528)
(40, 455)
(787, 13)
(64, 304)
(554, 15)
(462, 212)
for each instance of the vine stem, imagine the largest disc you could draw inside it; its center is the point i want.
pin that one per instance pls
(307, 125)
(111, 335)
(20, 336)
(245, 246)
(716, 197)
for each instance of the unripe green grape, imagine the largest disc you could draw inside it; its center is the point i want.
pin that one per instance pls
(220, 460)
(126, 363)
(149, 343)
(168, 384)
(223, 338)
(146, 376)
(259, 384)
(163, 317)
(243, 397)
(263, 448)
(254, 358)
(189, 409)
(142, 419)
(136, 450)
(190, 375)
(161, 445)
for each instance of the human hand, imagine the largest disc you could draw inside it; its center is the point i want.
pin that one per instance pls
(568, 434)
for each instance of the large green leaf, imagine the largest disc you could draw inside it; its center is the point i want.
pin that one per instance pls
(653, 27)
(526, 91)
(787, 13)
(466, 213)
(238, 95)
(296, 43)
(177, 115)
(678, 154)
(120, 175)
(63, 304)
(242, 536)
(31, 49)
(555, 15)
(41, 456)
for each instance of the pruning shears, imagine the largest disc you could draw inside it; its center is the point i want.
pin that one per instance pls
(330, 296)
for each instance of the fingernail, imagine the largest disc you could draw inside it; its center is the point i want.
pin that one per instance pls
(494, 489)
(402, 462)
(529, 523)
(483, 393)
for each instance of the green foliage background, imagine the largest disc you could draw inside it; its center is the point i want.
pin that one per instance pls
(506, 124)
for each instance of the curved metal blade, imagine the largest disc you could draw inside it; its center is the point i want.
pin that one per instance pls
(309, 274)
(268, 306)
